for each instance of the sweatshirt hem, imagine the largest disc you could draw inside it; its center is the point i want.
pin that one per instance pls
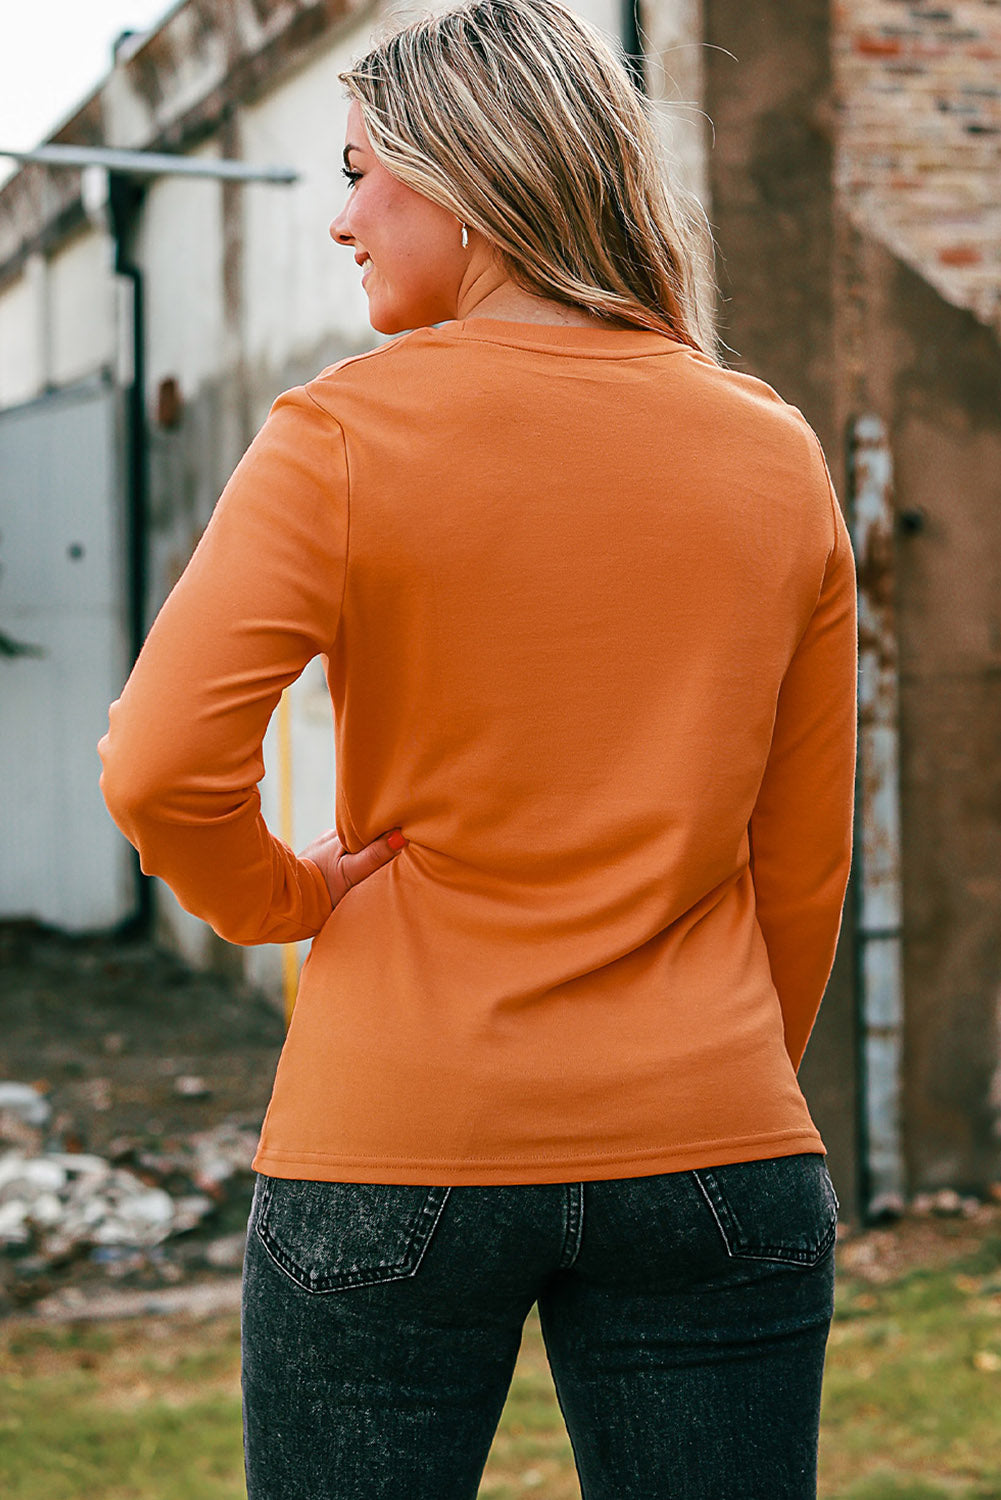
(445, 1171)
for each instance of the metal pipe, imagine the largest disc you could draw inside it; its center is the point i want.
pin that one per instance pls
(124, 199)
(878, 879)
(151, 163)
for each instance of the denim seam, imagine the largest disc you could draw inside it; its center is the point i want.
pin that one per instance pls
(712, 1209)
(575, 1224)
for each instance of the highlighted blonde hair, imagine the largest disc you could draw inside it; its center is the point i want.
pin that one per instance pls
(519, 117)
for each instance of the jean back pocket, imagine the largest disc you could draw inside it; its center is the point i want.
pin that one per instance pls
(329, 1236)
(783, 1208)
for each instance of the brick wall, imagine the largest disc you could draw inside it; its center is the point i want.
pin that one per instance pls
(919, 142)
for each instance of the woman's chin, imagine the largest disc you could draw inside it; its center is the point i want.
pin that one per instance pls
(387, 318)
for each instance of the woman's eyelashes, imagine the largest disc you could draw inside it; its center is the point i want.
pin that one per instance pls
(352, 177)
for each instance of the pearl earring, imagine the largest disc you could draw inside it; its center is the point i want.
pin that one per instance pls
(465, 236)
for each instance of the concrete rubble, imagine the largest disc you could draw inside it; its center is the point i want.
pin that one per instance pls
(119, 1210)
(62, 1201)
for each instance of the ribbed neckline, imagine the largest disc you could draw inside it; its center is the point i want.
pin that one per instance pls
(611, 342)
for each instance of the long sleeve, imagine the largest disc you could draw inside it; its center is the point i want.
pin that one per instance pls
(259, 599)
(801, 827)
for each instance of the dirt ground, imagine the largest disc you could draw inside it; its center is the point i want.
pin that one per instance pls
(106, 1025)
(136, 1054)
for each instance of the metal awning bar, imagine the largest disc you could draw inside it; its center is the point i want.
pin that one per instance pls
(151, 163)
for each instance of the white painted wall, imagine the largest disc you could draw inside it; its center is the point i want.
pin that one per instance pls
(22, 344)
(59, 319)
(180, 249)
(675, 67)
(606, 14)
(299, 284)
(81, 308)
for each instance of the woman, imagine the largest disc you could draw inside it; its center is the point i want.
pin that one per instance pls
(586, 600)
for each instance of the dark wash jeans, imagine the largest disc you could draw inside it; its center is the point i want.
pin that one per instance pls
(685, 1317)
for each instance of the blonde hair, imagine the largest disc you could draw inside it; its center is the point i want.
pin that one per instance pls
(519, 117)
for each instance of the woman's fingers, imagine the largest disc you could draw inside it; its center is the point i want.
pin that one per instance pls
(342, 870)
(355, 868)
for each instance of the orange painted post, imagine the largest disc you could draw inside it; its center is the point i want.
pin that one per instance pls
(290, 952)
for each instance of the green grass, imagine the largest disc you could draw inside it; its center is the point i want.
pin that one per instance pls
(151, 1411)
(121, 1413)
(912, 1396)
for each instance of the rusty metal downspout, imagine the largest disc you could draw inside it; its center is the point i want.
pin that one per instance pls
(125, 197)
(877, 843)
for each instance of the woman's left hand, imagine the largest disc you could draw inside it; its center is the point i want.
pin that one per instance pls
(342, 870)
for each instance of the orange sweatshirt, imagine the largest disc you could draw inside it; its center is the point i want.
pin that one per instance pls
(587, 604)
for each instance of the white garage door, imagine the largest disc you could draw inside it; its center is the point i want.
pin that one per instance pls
(63, 657)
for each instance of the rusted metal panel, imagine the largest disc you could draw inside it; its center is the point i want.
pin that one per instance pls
(62, 607)
(878, 860)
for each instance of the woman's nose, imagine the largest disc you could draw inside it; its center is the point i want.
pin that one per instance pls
(338, 233)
